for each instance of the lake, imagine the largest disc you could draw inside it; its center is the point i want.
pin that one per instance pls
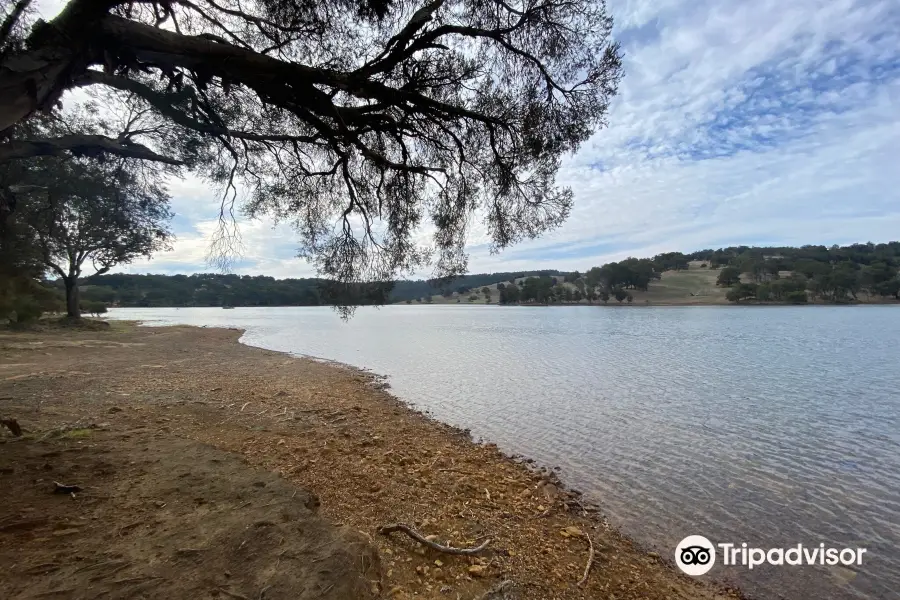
(767, 425)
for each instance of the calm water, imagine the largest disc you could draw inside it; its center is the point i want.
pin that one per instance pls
(771, 426)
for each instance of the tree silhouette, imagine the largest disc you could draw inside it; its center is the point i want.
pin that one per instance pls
(377, 115)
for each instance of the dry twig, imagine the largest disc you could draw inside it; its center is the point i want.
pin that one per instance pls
(590, 561)
(388, 529)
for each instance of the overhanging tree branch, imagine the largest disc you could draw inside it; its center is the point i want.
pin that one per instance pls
(86, 145)
(265, 74)
(165, 104)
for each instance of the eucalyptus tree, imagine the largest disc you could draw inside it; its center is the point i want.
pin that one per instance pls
(84, 214)
(360, 122)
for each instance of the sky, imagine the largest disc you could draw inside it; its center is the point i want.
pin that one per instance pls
(771, 122)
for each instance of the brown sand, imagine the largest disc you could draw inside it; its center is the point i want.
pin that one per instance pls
(367, 459)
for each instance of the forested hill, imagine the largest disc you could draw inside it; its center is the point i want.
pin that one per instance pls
(208, 289)
(764, 274)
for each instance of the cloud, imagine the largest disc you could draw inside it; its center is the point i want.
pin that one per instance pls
(768, 122)
(267, 249)
(760, 123)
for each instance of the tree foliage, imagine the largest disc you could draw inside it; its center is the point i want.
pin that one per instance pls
(81, 213)
(729, 276)
(539, 290)
(740, 292)
(378, 115)
(835, 274)
(95, 308)
(509, 294)
(21, 269)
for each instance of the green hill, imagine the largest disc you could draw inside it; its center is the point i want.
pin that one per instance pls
(836, 274)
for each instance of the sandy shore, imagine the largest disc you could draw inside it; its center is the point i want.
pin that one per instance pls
(365, 458)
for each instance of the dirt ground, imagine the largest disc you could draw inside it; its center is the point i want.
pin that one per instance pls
(163, 517)
(210, 469)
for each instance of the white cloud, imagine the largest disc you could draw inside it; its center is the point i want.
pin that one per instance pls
(267, 249)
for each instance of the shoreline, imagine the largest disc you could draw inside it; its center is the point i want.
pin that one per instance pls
(570, 305)
(624, 305)
(372, 458)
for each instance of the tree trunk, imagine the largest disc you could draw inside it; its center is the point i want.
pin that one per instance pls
(72, 306)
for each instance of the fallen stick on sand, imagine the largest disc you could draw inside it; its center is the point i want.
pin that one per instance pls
(590, 561)
(388, 529)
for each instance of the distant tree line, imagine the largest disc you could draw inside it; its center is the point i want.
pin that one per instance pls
(462, 286)
(612, 281)
(751, 274)
(206, 289)
(555, 290)
(835, 274)
(210, 289)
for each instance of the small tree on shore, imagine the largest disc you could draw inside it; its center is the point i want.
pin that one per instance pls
(87, 212)
(95, 308)
(741, 291)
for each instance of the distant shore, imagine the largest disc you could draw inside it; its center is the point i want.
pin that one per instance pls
(335, 431)
(879, 302)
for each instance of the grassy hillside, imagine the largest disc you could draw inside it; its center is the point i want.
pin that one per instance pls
(695, 285)
(463, 298)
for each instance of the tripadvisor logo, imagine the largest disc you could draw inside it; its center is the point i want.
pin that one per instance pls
(696, 555)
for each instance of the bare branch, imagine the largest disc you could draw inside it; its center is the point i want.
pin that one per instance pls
(388, 529)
